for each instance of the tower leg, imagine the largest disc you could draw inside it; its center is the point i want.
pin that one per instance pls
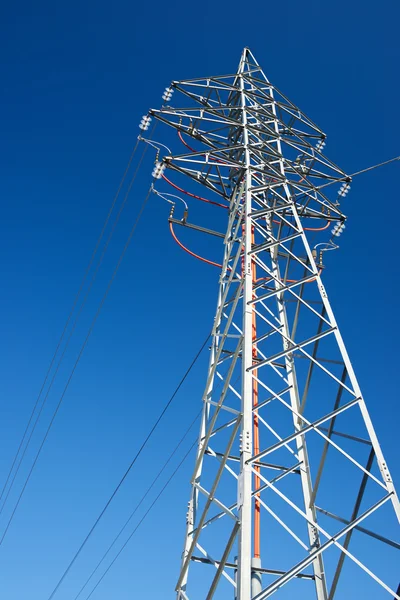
(256, 583)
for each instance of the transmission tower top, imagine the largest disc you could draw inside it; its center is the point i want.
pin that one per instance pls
(290, 493)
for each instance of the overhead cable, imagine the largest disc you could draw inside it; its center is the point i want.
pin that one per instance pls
(138, 453)
(386, 162)
(77, 360)
(86, 273)
(83, 303)
(143, 518)
(142, 499)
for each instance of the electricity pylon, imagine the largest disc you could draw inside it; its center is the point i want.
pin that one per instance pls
(290, 492)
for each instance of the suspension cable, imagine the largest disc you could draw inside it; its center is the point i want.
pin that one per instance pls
(142, 499)
(138, 453)
(386, 162)
(144, 517)
(83, 303)
(83, 346)
(67, 322)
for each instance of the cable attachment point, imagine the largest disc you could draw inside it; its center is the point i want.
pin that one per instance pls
(145, 122)
(158, 170)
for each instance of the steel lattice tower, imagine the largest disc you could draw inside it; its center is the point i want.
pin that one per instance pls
(290, 485)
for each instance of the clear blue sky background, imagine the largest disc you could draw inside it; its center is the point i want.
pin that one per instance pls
(75, 79)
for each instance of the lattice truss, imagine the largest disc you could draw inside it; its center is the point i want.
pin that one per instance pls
(290, 485)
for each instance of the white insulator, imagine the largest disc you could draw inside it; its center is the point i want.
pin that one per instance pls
(344, 190)
(145, 123)
(158, 170)
(167, 95)
(338, 229)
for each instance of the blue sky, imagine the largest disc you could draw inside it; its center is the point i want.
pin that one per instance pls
(76, 78)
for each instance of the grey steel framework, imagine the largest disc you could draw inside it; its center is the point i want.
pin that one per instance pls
(290, 492)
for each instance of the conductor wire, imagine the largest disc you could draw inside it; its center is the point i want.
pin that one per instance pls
(143, 518)
(77, 316)
(75, 366)
(74, 304)
(139, 504)
(138, 453)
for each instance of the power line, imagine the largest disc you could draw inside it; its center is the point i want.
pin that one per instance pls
(86, 273)
(143, 498)
(139, 503)
(143, 518)
(144, 443)
(386, 162)
(78, 358)
(83, 303)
